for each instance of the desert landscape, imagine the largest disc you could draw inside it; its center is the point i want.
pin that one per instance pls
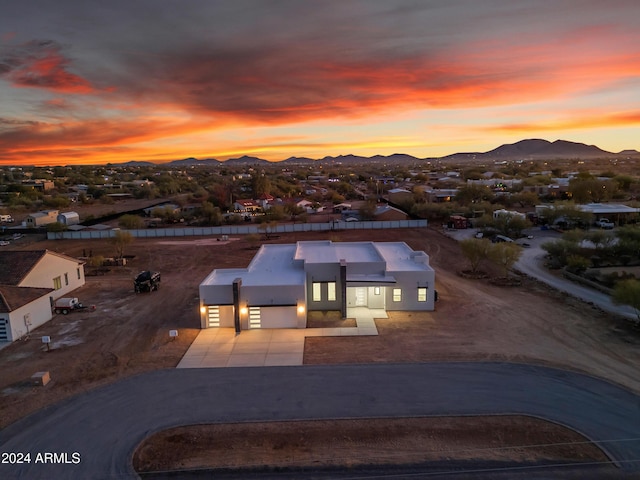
(128, 333)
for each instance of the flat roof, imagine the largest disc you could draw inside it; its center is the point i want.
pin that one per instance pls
(325, 251)
(284, 264)
(272, 265)
(400, 257)
(604, 208)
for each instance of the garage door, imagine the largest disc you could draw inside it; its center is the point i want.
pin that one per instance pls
(279, 317)
(4, 330)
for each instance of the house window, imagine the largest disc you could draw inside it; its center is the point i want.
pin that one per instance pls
(57, 283)
(316, 293)
(78, 273)
(331, 291)
(397, 295)
(376, 290)
(66, 279)
(422, 294)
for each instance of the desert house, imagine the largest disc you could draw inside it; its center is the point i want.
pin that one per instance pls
(283, 282)
(30, 281)
(40, 219)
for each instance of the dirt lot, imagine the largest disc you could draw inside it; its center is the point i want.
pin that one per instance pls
(407, 441)
(474, 320)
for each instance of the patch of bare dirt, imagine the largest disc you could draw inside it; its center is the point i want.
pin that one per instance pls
(352, 443)
(328, 319)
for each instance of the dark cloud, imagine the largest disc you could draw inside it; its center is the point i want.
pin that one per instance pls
(41, 64)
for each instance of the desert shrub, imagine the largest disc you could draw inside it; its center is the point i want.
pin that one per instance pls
(577, 263)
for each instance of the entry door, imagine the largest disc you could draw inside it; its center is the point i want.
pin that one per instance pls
(361, 297)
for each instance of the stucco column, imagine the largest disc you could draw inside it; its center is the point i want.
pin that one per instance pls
(343, 288)
(237, 283)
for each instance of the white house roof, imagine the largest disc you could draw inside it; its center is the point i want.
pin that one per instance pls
(399, 257)
(284, 264)
(604, 208)
(325, 251)
(272, 265)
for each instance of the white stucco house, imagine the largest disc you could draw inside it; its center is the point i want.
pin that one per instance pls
(283, 282)
(30, 281)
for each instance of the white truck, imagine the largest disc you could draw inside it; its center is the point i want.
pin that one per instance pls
(605, 223)
(65, 305)
(6, 219)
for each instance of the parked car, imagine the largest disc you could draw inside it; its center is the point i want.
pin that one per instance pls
(605, 223)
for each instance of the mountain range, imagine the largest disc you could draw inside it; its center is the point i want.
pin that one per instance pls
(529, 149)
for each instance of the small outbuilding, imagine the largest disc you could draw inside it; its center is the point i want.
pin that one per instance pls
(40, 219)
(69, 218)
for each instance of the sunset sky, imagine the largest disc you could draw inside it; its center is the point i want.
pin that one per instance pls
(158, 80)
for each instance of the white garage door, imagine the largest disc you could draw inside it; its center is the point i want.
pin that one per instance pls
(277, 317)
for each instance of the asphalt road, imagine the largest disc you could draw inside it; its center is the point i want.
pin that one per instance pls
(105, 425)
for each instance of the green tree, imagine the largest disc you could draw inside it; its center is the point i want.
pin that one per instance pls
(627, 292)
(475, 250)
(260, 185)
(505, 254)
(367, 210)
(473, 194)
(293, 210)
(211, 215)
(525, 199)
(131, 222)
(120, 240)
(267, 228)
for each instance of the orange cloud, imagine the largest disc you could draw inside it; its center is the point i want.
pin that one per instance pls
(584, 121)
(39, 64)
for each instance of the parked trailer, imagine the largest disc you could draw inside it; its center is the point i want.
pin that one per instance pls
(66, 305)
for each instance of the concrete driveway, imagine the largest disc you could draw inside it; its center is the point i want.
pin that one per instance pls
(221, 347)
(105, 425)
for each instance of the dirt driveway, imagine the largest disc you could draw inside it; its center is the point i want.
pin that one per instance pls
(129, 333)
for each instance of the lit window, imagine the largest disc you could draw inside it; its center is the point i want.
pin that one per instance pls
(57, 283)
(331, 291)
(66, 279)
(397, 295)
(316, 292)
(376, 290)
(422, 294)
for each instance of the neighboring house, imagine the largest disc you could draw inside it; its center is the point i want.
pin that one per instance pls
(283, 282)
(42, 218)
(399, 195)
(69, 218)
(387, 212)
(29, 282)
(22, 309)
(309, 206)
(341, 207)
(42, 185)
(246, 206)
(508, 213)
(162, 207)
(265, 201)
